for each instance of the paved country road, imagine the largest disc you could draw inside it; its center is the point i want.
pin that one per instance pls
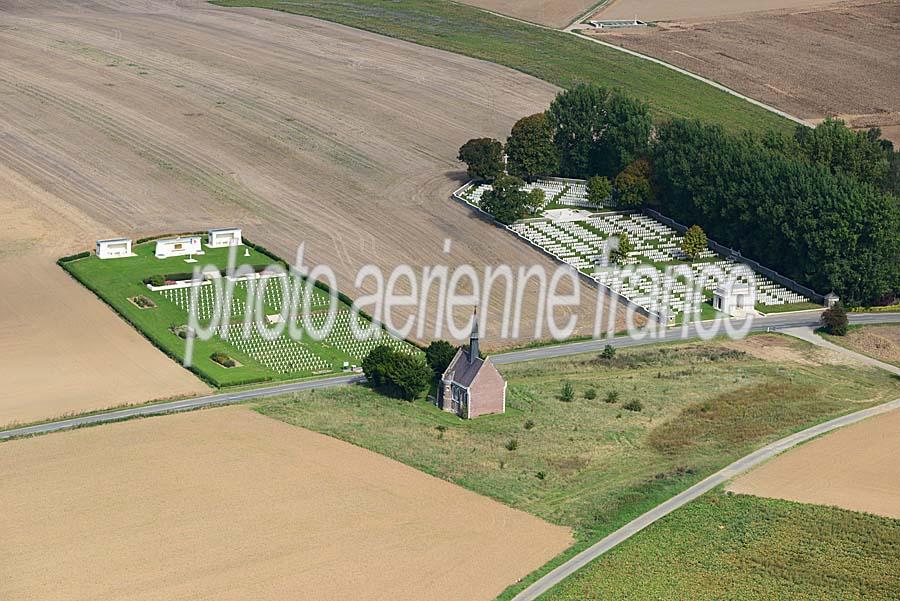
(737, 468)
(777, 321)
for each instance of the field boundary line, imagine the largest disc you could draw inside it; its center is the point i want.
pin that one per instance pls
(736, 468)
(683, 71)
(212, 400)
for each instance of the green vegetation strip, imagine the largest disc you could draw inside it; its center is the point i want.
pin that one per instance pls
(554, 56)
(591, 463)
(739, 547)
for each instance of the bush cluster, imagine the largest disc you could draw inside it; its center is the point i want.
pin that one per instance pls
(397, 374)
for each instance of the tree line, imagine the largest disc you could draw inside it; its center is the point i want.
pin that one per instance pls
(821, 206)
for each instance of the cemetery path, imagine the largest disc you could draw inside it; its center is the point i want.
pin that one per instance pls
(772, 322)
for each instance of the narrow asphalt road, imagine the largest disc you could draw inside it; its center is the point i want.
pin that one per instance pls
(805, 332)
(777, 321)
(737, 468)
(809, 335)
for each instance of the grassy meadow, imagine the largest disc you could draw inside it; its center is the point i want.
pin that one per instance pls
(554, 56)
(592, 463)
(736, 547)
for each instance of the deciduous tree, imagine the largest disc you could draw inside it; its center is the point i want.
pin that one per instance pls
(483, 157)
(633, 187)
(599, 189)
(506, 200)
(530, 148)
(598, 131)
(694, 242)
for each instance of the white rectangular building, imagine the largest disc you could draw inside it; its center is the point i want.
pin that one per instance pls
(113, 248)
(177, 247)
(224, 236)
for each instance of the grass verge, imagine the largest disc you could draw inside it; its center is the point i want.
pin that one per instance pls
(554, 56)
(726, 546)
(592, 464)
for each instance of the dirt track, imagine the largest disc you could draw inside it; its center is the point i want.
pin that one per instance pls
(227, 504)
(855, 468)
(137, 118)
(839, 60)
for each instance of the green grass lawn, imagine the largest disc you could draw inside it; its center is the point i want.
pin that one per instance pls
(593, 464)
(742, 548)
(116, 281)
(556, 57)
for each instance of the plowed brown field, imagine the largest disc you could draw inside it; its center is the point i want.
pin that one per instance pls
(136, 118)
(812, 62)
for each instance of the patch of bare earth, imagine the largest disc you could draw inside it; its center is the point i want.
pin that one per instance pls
(881, 342)
(140, 117)
(227, 504)
(809, 60)
(855, 468)
(780, 349)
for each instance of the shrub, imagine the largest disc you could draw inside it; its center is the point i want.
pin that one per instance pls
(529, 424)
(598, 190)
(590, 394)
(222, 359)
(512, 444)
(483, 157)
(835, 321)
(609, 352)
(612, 396)
(694, 242)
(633, 406)
(397, 374)
(541, 475)
(568, 393)
(156, 280)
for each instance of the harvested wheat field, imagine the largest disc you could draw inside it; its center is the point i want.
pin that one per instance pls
(62, 350)
(153, 117)
(229, 504)
(552, 13)
(835, 60)
(855, 468)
